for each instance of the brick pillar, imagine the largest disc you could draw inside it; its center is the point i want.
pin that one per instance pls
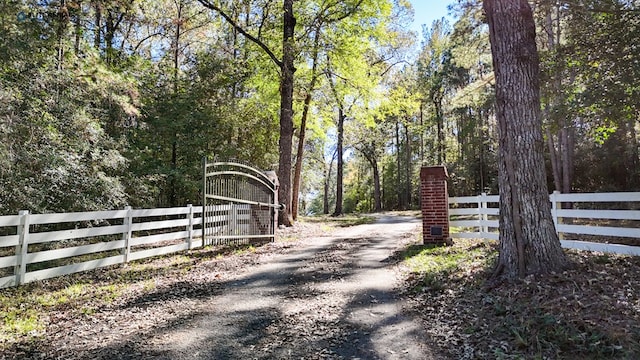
(435, 205)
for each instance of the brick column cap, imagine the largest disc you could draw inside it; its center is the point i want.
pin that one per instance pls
(434, 171)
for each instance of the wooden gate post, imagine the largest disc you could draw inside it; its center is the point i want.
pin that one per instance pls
(435, 205)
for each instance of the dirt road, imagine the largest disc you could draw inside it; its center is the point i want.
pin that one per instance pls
(328, 297)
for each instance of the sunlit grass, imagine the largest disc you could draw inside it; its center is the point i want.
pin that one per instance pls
(440, 264)
(25, 308)
(345, 220)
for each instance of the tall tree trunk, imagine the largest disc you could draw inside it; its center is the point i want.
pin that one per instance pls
(555, 163)
(377, 192)
(173, 183)
(287, 71)
(327, 186)
(561, 152)
(97, 35)
(554, 158)
(297, 171)
(63, 20)
(398, 167)
(442, 156)
(407, 165)
(286, 114)
(634, 154)
(340, 163)
(78, 29)
(528, 241)
(482, 151)
(421, 132)
(109, 35)
(567, 159)
(303, 128)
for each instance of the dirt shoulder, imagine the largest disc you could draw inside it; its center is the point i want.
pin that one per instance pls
(332, 295)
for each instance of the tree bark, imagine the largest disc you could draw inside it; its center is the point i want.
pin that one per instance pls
(398, 167)
(297, 171)
(407, 194)
(528, 241)
(555, 164)
(303, 128)
(421, 132)
(377, 191)
(97, 35)
(286, 114)
(340, 163)
(567, 159)
(442, 156)
(327, 184)
(63, 19)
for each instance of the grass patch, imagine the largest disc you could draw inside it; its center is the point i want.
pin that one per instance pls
(432, 268)
(25, 309)
(345, 220)
(591, 311)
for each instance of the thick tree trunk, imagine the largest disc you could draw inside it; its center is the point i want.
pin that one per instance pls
(528, 241)
(286, 115)
(340, 164)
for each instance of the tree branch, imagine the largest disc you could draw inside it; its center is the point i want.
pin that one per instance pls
(339, 16)
(253, 39)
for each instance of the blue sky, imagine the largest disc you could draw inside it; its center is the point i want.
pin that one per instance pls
(426, 11)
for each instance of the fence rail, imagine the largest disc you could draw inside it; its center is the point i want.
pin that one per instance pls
(41, 246)
(477, 217)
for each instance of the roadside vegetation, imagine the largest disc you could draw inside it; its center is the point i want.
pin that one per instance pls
(590, 311)
(28, 310)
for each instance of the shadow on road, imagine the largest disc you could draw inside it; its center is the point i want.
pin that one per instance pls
(330, 297)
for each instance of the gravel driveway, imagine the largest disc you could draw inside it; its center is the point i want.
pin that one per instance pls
(326, 297)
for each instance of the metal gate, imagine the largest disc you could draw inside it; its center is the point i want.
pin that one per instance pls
(239, 203)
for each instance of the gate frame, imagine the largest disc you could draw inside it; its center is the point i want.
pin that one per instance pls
(267, 181)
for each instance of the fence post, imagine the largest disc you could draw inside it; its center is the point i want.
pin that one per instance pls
(555, 205)
(126, 235)
(190, 226)
(484, 229)
(22, 248)
(233, 221)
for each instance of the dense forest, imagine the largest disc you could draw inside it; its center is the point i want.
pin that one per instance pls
(107, 103)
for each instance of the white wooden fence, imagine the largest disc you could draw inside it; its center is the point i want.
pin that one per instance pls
(33, 246)
(477, 216)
